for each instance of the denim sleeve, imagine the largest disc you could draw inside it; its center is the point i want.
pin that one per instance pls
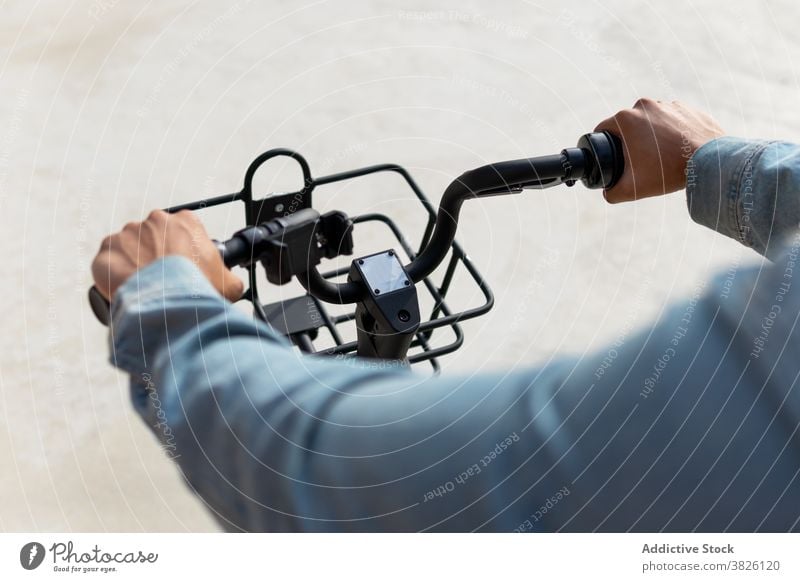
(748, 190)
(690, 424)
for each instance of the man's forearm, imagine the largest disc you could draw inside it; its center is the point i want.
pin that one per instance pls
(748, 190)
(273, 440)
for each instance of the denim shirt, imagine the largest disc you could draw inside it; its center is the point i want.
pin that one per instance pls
(691, 425)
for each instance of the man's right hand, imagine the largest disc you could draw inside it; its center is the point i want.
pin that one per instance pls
(658, 140)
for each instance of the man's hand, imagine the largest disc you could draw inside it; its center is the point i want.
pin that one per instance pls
(658, 139)
(141, 243)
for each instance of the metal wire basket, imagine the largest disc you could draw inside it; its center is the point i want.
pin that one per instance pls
(301, 318)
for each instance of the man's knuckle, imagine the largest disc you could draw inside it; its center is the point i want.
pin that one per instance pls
(625, 117)
(107, 244)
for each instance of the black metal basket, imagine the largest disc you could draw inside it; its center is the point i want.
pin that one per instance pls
(300, 318)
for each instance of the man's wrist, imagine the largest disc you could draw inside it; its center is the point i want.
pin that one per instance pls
(159, 300)
(714, 177)
(169, 276)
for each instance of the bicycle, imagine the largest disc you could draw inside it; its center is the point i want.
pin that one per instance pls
(289, 239)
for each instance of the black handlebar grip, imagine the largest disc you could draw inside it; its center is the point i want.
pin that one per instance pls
(233, 251)
(100, 306)
(605, 157)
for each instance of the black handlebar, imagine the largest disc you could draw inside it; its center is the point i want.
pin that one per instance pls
(597, 161)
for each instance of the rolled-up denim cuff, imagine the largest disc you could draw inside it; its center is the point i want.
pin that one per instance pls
(720, 179)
